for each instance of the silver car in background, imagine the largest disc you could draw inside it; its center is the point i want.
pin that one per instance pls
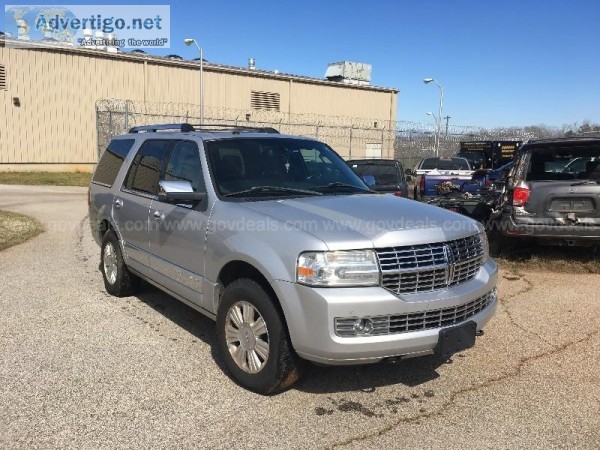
(285, 247)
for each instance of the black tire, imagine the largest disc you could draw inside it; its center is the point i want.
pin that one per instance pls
(124, 283)
(282, 368)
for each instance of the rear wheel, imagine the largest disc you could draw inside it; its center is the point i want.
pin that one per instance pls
(118, 280)
(253, 340)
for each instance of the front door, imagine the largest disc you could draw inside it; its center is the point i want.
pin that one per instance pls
(178, 232)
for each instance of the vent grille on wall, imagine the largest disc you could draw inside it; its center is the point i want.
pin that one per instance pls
(265, 100)
(2, 78)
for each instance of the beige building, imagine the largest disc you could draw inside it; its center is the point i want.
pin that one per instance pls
(48, 98)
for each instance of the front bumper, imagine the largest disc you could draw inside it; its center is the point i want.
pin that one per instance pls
(311, 313)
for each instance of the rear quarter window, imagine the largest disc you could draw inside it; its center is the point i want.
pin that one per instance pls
(111, 161)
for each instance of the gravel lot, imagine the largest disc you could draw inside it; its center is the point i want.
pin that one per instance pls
(79, 368)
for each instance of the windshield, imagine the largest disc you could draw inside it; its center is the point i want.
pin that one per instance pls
(472, 155)
(445, 164)
(380, 173)
(564, 163)
(247, 167)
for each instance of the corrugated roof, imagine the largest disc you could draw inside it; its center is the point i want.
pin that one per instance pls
(209, 66)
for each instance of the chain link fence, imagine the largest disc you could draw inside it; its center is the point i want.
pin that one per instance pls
(352, 138)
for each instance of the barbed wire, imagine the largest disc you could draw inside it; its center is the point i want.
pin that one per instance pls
(352, 137)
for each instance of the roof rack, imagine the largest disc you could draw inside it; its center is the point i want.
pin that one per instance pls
(183, 127)
(234, 128)
(186, 128)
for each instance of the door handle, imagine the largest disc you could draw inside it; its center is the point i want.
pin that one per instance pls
(118, 203)
(159, 215)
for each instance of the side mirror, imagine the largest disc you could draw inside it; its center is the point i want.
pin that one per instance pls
(178, 192)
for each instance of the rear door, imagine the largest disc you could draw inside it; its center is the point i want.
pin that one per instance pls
(131, 205)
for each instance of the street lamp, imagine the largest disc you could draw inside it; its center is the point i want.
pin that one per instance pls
(439, 116)
(436, 137)
(188, 42)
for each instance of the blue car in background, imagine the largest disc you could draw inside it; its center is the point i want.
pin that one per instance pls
(496, 174)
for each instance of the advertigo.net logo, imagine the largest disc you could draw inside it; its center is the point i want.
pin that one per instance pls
(89, 25)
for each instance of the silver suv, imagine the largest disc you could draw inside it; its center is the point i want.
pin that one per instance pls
(281, 243)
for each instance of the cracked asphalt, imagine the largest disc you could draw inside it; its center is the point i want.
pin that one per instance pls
(81, 369)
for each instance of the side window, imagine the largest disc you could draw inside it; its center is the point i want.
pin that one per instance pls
(144, 172)
(520, 167)
(184, 165)
(111, 161)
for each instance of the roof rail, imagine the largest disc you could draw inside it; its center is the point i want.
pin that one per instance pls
(186, 128)
(183, 127)
(234, 128)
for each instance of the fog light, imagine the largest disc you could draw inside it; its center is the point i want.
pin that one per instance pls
(494, 295)
(363, 326)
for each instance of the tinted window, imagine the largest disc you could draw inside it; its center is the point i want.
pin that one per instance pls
(383, 174)
(144, 172)
(112, 160)
(184, 165)
(564, 163)
(445, 164)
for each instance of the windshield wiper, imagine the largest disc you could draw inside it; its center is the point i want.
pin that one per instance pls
(581, 183)
(340, 185)
(271, 190)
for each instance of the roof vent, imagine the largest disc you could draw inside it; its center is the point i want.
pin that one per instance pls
(349, 72)
(251, 63)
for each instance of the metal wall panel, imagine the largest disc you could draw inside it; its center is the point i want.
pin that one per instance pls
(58, 88)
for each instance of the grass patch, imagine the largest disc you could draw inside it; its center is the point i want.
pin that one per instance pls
(535, 258)
(17, 228)
(46, 178)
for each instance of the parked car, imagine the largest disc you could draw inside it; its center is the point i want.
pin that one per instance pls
(553, 192)
(496, 175)
(434, 172)
(385, 176)
(276, 239)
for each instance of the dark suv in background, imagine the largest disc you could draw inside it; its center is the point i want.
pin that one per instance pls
(385, 176)
(553, 192)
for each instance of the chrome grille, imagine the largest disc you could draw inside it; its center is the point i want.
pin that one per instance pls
(428, 267)
(425, 320)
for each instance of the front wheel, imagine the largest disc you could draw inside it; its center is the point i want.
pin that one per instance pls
(253, 340)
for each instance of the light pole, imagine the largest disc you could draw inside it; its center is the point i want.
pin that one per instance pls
(435, 121)
(188, 42)
(439, 117)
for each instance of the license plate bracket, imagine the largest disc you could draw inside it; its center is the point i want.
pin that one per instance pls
(455, 339)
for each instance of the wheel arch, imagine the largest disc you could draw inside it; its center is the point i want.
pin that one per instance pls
(238, 269)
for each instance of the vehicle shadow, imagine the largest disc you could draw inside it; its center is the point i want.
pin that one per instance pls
(368, 377)
(190, 320)
(318, 379)
(528, 254)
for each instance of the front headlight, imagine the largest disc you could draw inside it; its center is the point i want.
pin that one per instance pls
(338, 268)
(484, 245)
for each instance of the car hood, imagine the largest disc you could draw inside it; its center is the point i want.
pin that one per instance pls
(367, 221)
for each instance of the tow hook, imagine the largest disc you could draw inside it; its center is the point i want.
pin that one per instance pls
(479, 333)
